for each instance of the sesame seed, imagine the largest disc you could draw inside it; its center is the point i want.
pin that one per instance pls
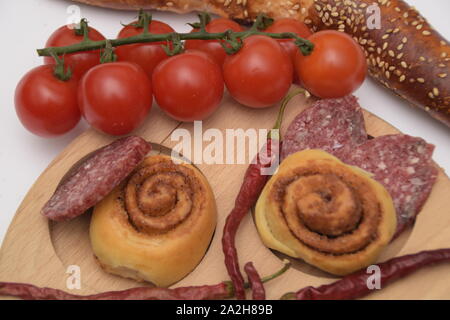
(396, 30)
(422, 58)
(391, 68)
(441, 65)
(443, 54)
(419, 26)
(385, 45)
(430, 94)
(308, 21)
(443, 43)
(442, 75)
(238, 2)
(402, 78)
(398, 73)
(404, 64)
(405, 15)
(384, 37)
(405, 40)
(391, 53)
(400, 55)
(400, 46)
(296, 7)
(426, 33)
(227, 3)
(245, 13)
(318, 8)
(421, 80)
(436, 91)
(335, 14)
(388, 74)
(397, 9)
(169, 4)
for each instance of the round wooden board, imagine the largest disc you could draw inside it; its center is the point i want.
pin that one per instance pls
(38, 252)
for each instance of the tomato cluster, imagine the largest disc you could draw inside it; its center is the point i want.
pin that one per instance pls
(116, 97)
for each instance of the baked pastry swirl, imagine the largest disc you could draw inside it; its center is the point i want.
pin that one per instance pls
(157, 225)
(331, 215)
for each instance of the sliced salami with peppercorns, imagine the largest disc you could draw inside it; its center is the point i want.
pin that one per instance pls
(402, 163)
(333, 125)
(404, 166)
(95, 177)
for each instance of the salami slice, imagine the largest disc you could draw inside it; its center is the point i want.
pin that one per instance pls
(333, 125)
(95, 177)
(404, 166)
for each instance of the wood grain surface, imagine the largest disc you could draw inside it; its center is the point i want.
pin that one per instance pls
(38, 251)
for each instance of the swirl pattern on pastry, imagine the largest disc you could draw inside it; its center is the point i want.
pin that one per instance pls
(331, 215)
(157, 225)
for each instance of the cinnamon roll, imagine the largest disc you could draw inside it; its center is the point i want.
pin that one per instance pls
(331, 215)
(157, 225)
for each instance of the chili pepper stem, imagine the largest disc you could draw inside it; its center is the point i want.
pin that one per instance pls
(286, 266)
(284, 103)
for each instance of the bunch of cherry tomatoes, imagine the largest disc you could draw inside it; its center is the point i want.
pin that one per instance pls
(116, 97)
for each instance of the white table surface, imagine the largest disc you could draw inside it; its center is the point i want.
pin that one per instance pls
(26, 25)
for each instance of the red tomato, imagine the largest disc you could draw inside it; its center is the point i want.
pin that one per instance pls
(335, 68)
(47, 106)
(259, 74)
(213, 47)
(147, 55)
(289, 25)
(79, 62)
(115, 97)
(188, 86)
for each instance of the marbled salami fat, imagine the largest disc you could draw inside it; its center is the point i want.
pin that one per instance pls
(333, 125)
(93, 179)
(404, 166)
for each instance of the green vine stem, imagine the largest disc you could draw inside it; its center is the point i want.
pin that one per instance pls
(228, 36)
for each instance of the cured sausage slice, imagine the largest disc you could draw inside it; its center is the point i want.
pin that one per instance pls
(332, 125)
(95, 177)
(403, 164)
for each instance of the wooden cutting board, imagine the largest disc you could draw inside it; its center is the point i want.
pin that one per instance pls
(38, 251)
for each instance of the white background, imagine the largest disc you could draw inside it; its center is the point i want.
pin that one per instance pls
(26, 25)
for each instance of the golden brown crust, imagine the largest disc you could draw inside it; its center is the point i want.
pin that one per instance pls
(329, 214)
(406, 55)
(156, 226)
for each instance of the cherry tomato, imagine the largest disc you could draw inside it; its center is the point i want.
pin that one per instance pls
(45, 105)
(147, 55)
(213, 47)
(289, 25)
(115, 97)
(259, 74)
(335, 68)
(188, 86)
(79, 62)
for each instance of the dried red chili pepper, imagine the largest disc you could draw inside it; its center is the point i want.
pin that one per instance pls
(355, 285)
(258, 291)
(223, 290)
(252, 185)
